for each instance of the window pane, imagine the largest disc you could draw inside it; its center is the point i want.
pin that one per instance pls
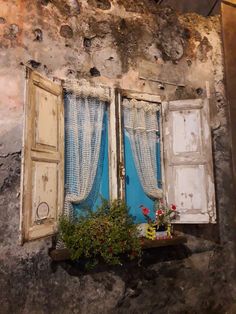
(101, 182)
(135, 195)
(86, 153)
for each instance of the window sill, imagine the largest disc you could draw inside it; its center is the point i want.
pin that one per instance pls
(64, 254)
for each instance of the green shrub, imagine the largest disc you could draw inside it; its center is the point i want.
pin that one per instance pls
(106, 233)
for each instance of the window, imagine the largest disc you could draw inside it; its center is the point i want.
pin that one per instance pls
(141, 134)
(43, 198)
(148, 148)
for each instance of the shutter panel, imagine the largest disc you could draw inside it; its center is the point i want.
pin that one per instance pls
(43, 161)
(188, 160)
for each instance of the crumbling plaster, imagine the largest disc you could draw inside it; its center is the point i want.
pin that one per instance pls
(114, 43)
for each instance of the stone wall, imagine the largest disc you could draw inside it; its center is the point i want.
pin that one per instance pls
(115, 43)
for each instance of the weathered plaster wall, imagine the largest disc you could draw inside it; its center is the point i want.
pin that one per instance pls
(116, 43)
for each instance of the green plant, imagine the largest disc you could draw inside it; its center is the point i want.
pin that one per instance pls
(106, 233)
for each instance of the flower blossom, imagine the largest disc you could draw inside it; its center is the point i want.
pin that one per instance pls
(173, 207)
(145, 211)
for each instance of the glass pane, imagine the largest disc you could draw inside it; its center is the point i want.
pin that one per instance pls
(101, 184)
(135, 195)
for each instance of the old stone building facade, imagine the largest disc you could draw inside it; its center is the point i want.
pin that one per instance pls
(134, 45)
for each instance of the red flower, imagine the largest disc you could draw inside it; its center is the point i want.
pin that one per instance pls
(160, 212)
(145, 211)
(173, 207)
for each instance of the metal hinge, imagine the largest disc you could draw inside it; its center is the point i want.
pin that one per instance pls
(121, 171)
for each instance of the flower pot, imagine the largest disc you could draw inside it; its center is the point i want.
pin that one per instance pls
(161, 235)
(161, 228)
(163, 231)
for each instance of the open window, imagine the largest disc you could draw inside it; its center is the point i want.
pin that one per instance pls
(166, 152)
(147, 150)
(59, 178)
(141, 150)
(88, 146)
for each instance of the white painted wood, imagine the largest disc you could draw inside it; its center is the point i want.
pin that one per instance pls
(140, 96)
(188, 160)
(113, 154)
(162, 152)
(186, 132)
(121, 159)
(43, 166)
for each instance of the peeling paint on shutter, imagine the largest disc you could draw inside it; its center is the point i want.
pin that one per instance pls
(188, 160)
(43, 158)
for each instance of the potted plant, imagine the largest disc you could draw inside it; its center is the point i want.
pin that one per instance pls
(160, 227)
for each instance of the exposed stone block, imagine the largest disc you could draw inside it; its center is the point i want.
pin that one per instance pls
(66, 31)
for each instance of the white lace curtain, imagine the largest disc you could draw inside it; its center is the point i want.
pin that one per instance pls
(140, 122)
(83, 131)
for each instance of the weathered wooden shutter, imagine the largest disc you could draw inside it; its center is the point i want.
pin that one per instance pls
(43, 159)
(188, 160)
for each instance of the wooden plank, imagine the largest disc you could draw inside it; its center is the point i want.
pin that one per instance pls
(188, 160)
(43, 166)
(59, 254)
(140, 96)
(64, 254)
(175, 240)
(120, 150)
(112, 140)
(45, 84)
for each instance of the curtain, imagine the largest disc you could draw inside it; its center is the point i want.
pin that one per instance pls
(141, 124)
(83, 134)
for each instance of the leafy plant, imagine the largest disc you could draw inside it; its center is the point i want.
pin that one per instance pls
(106, 233)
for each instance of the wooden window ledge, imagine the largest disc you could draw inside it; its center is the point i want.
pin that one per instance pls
(64, 254)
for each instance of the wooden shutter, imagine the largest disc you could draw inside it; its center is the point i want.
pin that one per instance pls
(188, 160)
(43, 161)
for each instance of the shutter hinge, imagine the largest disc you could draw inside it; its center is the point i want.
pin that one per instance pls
(27, 72)
(121, 171)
